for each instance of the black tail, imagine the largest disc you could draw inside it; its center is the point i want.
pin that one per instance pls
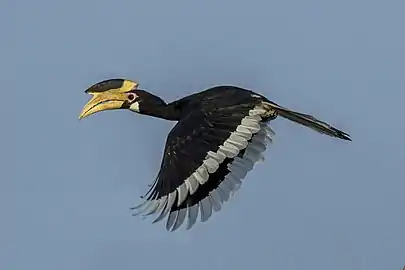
(309, 121)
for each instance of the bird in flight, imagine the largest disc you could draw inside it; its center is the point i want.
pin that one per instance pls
(220, 134)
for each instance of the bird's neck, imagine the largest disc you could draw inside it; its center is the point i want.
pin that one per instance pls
(162, 110)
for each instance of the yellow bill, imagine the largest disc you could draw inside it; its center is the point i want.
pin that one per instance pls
(103, 101)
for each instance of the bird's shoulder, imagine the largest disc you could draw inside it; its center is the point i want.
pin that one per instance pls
(192, 124)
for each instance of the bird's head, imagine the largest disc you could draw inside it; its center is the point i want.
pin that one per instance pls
(112, 94)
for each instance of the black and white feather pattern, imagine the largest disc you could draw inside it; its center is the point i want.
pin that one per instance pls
(220, 134)
(207, 156)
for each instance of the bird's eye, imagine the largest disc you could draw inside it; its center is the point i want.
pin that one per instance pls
(131, 97)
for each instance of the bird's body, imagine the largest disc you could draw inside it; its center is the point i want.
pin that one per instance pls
(212, 99)
(219, 136)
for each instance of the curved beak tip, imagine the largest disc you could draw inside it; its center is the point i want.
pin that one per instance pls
(102, 102)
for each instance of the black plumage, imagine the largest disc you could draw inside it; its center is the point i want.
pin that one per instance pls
(219, 135)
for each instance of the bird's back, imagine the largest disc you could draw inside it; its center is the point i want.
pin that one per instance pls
(217, 98)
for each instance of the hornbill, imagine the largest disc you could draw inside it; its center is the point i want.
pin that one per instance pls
(220, 134)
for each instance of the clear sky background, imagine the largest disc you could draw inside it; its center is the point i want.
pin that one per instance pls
(317, 202)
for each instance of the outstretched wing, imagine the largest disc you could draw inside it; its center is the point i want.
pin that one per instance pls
(206, 156)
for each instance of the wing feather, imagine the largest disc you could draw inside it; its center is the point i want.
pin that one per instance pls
(206, 156)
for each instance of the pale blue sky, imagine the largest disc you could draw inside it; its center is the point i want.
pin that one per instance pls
(317, 202)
